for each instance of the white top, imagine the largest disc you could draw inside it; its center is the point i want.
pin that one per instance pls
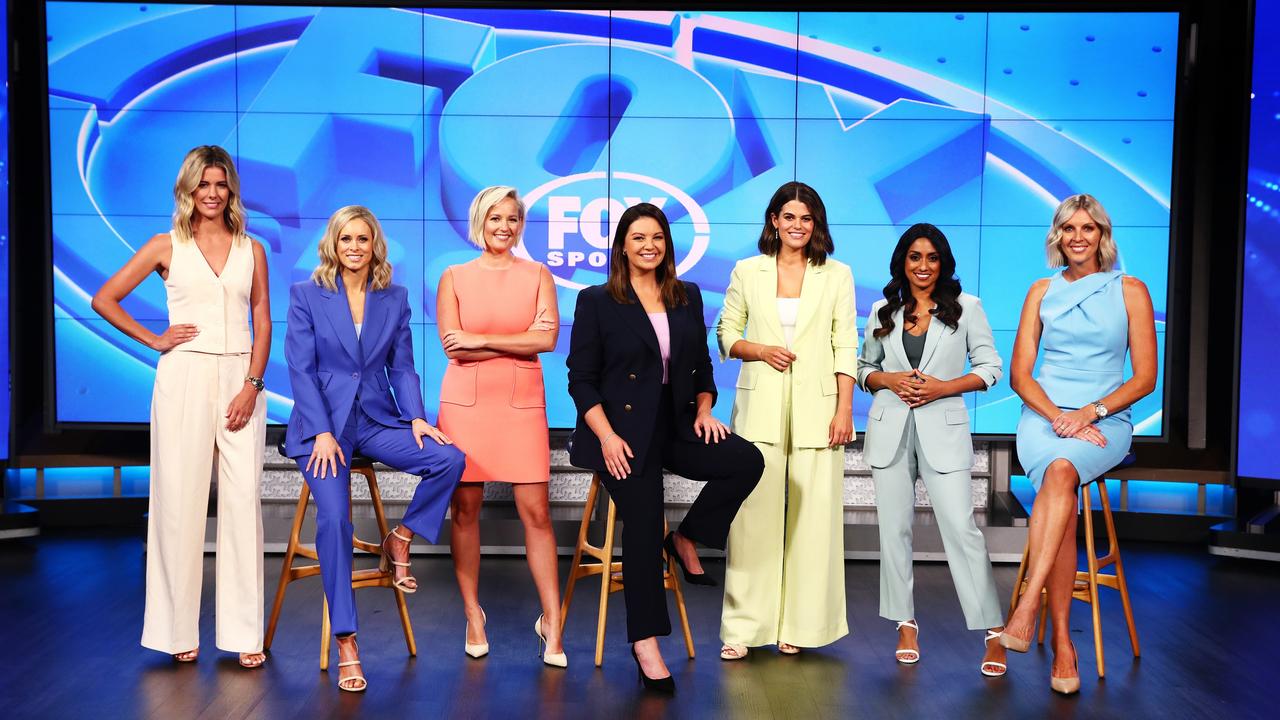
(788, 314)
(663, 330)
(358, 326)
(218, 305)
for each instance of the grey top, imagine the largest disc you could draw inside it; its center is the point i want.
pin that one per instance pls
(913, 345)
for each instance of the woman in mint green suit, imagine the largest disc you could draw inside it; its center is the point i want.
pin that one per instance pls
(1075, 417)
(914, 351)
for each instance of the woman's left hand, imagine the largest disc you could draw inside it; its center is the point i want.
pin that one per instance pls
(707, 427)
(1069, 424)
(421, 428)
(241, 408)
(924, 389)
(462, 340)
(841, 430)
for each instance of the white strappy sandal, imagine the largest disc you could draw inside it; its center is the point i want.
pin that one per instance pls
(728, 651)
(358, 681)
(907, 656)
(992, 635)
(386, 564)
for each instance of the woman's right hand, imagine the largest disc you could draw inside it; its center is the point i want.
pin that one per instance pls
(777, 357)
(174, 336)
(899, 383)
(616, 451)
(326, 453)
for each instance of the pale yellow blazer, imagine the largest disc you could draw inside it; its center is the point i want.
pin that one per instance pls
(825, 343)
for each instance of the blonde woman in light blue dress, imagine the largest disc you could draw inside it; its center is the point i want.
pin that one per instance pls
(1075, 419)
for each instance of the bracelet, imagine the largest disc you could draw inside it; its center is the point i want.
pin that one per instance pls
(760, 355)
(609, 437)
(256, 382)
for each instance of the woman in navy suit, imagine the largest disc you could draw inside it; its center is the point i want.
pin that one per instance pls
(640, 376)
(349, 347)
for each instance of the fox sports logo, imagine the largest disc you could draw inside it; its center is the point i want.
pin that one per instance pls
(571, 221)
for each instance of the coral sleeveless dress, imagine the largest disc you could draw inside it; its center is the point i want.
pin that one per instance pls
(495, 410)
(1084, 341)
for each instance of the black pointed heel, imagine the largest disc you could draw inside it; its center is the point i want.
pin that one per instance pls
(692, 578)
(666, 685)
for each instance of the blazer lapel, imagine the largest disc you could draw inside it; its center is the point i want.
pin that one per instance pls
(633, 313)
(375, 318)
(810, 296)
(931, 338)
(767, 299)
(339, 314)
(894, 342)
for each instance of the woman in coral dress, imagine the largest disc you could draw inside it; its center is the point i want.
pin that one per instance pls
(495, 314)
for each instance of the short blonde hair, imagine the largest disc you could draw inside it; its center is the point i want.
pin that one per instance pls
(1107, 250)
(326, 273)
(199, 159)
(483, 203)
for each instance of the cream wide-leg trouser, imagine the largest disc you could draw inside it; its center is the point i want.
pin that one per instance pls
(784, 579)
(188, 438)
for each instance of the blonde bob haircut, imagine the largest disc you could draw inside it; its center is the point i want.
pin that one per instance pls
(1107, 250)
(326, 273)
(189, 175)
(483, 203)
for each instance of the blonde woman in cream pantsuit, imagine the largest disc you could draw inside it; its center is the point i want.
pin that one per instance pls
(789, 316)
(206, 403)
(914, 352)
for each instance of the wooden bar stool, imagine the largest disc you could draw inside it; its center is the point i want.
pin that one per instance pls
(360, 578)
(1088, 581)
(604, 562)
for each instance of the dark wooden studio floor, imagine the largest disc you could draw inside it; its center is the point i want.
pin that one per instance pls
(73, 604)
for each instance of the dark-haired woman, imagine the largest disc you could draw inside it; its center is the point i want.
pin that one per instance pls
(640, 376)
(913, 359)
(789, 316)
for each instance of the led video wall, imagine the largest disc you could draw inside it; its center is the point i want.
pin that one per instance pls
(978, 123)
(1260, 302)
(4, 238)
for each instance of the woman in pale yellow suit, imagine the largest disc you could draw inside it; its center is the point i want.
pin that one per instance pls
(789, 316)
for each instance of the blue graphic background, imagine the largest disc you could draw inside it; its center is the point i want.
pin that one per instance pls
(978, 123)
(1259, 346)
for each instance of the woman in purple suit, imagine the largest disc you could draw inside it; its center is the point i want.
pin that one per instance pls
(349, 349)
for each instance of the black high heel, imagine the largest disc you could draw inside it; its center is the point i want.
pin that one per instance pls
(692, 578)
(666, 685)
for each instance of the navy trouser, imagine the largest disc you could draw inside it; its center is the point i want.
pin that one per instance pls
(439, 466)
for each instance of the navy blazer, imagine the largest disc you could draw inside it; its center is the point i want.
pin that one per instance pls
(614, 361)
(330, 369)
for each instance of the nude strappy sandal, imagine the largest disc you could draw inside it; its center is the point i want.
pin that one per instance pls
(729, 651)
(992, 635)
(386, 564)
(359, 682)
(907, 656)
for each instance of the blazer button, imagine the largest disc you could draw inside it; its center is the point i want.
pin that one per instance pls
(626, 408)
(355, 376)
(695, 371)
(632, 376)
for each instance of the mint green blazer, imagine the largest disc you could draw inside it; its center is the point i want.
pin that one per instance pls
(825, 343)
(942, 426)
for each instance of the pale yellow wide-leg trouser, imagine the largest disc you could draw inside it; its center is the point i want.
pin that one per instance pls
(784, 581)
(188, 436)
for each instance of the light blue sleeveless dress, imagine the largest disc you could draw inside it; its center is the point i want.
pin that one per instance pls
(1084, 340)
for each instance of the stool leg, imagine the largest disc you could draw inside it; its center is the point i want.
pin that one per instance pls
(1044, 616)
(1092, 557)
(1021, 578)
(1114, 549)
(324, 635)
(606, 579)
(375, 496)
(679, 593)
(576, 565)
(286, 569)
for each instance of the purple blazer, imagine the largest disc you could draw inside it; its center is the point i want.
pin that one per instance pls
(329, 367)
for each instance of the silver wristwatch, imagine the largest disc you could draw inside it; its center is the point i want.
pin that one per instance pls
(1099, 409)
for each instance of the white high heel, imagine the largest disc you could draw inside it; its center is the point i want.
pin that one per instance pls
(992, 635)
(476, 650)
(387, 565)
(559, 659)
(907, 656)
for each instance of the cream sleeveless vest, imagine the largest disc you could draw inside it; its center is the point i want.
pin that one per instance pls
(217, 305)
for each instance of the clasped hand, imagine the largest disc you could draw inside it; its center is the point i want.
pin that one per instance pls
(1079, 424)
(916, 388)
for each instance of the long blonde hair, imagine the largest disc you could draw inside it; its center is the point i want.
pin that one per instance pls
(326, 273)
(483, 202)
(1108, 253)
(189, 176)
